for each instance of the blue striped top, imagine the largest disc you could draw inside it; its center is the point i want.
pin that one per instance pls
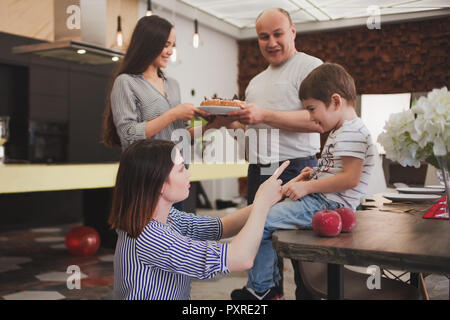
(161, 262)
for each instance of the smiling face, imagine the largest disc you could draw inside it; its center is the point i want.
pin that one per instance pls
(162, 60)
(276, 37)
(176, 187)
(325, 116)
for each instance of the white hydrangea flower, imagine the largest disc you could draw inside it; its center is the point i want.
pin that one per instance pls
(397, 141)
(432, 124)
(416, 134)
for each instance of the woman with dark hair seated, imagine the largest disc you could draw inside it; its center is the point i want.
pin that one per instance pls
(159, 248)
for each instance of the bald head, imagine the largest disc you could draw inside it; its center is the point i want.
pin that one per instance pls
(276, 35)
(275, 10)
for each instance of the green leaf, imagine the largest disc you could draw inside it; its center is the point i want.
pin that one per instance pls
(197, 119)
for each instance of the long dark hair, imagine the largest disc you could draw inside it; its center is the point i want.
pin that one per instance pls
(147, 42)
(144, 167)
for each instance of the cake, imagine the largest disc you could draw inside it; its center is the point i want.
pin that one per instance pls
(222, 102)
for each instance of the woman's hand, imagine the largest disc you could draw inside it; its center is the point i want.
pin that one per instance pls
(187, 111)
(269, 192)
(244, 246)
(202, 113)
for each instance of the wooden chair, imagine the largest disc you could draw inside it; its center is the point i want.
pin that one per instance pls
(314, 277)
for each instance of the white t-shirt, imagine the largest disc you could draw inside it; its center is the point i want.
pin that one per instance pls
(276, 88)
(352, 139)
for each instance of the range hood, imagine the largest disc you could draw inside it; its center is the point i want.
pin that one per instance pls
(72, 51)
(85, 42)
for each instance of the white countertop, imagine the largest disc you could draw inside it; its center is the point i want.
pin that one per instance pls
(16, 178)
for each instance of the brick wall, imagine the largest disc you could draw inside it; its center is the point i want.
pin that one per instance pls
(402, 57)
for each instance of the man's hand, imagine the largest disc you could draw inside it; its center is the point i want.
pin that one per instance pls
(249, 114)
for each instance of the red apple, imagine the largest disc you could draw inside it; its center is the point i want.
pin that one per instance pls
(327, 223)
(348, 219)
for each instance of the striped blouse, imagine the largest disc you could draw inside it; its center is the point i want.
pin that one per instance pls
(134, 101)
(161, 262)
(352, 139)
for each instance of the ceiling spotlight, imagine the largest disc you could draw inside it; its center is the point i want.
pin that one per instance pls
(115, 59)
(173, 57)
(81, 51)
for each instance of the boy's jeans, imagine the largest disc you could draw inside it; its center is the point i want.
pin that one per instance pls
(287, 214)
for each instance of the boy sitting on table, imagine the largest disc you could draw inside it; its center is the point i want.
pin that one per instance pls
(339, 180)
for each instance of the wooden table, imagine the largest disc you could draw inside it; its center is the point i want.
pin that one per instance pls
(385, 236)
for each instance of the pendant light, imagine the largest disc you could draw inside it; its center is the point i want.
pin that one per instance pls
(173, 57)
(149, 8)
(119, 36)
(196, 37)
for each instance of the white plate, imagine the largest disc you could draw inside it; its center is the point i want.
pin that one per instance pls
(219, 110)
(421, 190)
(411, 197)
(436, 186)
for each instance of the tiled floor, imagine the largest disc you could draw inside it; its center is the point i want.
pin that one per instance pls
(34, 265)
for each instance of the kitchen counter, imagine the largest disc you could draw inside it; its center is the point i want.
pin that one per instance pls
(16, 178)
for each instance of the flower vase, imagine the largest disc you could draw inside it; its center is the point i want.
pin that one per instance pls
(445, 178)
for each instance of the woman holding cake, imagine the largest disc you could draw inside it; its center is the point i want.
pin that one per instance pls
(143, 102)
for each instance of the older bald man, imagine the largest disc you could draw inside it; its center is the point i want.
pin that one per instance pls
(272, 103)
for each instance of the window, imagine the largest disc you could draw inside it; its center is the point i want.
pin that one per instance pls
(376, 109)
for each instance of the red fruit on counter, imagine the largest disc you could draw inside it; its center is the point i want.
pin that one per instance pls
(348, 218)
(327, 223)
(82, 241)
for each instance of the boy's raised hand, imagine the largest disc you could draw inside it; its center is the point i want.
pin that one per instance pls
(270, 191)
